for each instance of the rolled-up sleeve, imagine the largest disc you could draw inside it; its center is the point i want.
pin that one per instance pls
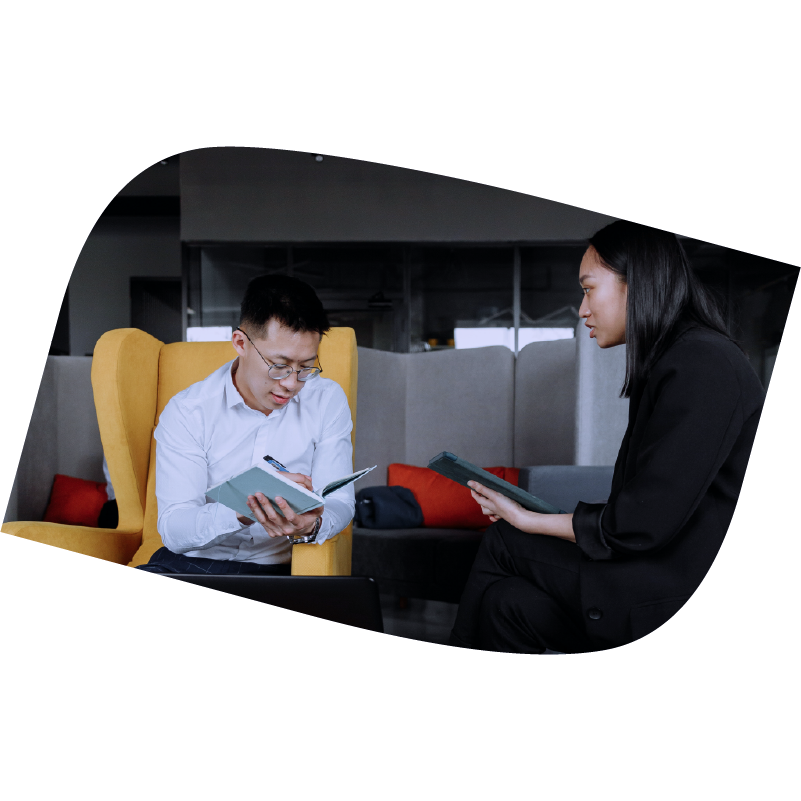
(588, 532)
(695, 420)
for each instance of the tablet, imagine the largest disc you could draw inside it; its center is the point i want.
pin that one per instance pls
(461, 471)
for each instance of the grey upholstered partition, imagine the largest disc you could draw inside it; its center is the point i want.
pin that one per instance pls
(411, 406)
(545, 403)
(63, 436)
(380, 413)
(461, 401)
(11, 507)
(37, 464)
(601, 415)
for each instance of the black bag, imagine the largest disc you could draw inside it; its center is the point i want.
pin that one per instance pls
(387, 507)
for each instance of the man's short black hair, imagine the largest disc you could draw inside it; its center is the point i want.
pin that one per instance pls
(288, 300)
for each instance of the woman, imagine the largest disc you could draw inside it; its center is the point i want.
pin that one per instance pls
(613, 572)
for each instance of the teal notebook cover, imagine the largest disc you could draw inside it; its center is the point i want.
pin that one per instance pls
(234, 492)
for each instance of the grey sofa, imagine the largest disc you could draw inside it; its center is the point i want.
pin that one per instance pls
(433, 563)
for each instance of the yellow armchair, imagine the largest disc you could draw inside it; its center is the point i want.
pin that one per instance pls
(134, 375)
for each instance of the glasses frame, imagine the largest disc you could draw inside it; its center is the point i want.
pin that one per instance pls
(270, 366)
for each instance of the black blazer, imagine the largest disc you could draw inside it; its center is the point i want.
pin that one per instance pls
(676, 481)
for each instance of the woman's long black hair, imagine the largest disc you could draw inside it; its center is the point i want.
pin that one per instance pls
(662, 290)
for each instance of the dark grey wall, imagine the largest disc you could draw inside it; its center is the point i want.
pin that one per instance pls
(259, 195)
(117, 249)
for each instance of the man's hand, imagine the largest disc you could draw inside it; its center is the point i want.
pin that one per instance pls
(300, 478)
(290, 525)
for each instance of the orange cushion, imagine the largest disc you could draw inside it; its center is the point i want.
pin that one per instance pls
(445, 503)
(75, 501)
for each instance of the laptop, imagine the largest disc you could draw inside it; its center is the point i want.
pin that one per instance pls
(352, 600)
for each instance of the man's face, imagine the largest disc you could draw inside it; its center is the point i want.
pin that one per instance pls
(279, 345)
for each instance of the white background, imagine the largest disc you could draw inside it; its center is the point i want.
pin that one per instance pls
(118, 684)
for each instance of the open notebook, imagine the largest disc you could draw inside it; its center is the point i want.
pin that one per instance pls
(264, 478)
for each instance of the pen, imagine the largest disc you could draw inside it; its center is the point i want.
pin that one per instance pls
(276, 464)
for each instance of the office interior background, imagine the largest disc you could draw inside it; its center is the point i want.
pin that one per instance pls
(411, 261)
(414, 263)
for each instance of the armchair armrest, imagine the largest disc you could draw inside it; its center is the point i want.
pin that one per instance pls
(331, 558)
(109, 544)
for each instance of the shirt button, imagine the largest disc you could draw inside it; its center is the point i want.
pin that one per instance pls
(595, 614)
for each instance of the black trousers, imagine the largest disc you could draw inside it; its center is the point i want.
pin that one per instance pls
(522, 595)
(165, 561)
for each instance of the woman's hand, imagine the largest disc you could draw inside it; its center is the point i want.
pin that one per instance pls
(498, 507)
(495, 505)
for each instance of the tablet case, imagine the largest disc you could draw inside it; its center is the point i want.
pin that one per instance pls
(461, 471)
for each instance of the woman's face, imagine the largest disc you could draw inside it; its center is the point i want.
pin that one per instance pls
(604, 305)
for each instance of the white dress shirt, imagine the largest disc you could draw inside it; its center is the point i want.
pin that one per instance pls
(207, 434)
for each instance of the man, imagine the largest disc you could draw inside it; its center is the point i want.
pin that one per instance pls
(270, 400)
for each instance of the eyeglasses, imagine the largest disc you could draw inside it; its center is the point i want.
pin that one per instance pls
(279, 371)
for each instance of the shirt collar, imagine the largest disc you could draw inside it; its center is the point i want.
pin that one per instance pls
(232, 396)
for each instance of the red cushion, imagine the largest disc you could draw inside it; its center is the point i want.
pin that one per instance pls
(445, 503)
(75, 501)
